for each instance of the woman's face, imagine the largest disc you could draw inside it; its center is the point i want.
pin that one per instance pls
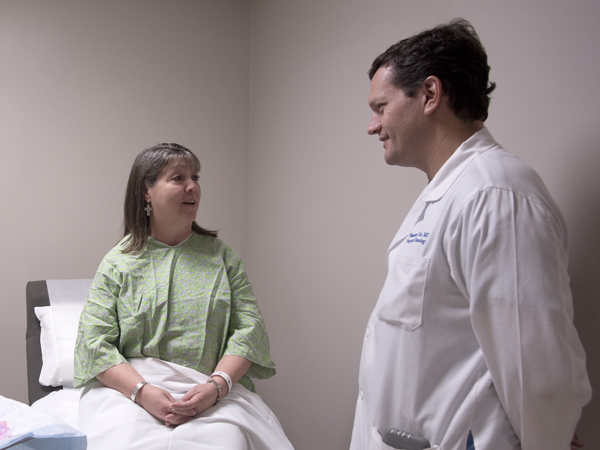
(175, 199)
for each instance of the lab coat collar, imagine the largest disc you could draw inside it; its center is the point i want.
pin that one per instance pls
(478, 143)
(481, 141)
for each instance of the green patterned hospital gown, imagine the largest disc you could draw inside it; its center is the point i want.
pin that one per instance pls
(190, 304)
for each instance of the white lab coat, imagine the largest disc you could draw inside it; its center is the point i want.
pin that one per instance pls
(473, 329)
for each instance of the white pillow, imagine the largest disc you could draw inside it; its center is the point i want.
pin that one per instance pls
(50, 374)
(59, 332)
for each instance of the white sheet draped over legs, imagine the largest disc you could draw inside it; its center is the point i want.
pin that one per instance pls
(240, 421)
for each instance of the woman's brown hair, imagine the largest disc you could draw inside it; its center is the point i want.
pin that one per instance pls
(144, 173)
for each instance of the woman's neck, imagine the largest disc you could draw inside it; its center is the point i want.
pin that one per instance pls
(170, 238)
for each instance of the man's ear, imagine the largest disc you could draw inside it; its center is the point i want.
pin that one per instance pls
(433, 92)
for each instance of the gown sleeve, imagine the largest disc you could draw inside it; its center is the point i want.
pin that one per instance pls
(509, 255)
(98, 334)
(247, 335)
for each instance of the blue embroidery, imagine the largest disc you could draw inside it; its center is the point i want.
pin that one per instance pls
(419, 238)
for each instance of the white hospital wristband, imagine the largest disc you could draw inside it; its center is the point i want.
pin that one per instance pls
(226, 377)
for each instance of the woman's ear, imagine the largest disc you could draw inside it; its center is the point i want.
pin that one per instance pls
(432, 88)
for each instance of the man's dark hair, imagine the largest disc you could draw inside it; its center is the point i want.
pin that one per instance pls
(453, 53)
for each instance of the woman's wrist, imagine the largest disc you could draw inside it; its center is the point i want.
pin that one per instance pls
(137, 389)
(219, 389)
(226, 378)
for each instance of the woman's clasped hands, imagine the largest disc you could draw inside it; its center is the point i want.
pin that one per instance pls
(165, 408)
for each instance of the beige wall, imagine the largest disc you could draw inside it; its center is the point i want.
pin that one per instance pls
(84, 86)
(272, 95)
(324, 206)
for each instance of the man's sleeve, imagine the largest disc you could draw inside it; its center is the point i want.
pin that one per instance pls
(510, 255)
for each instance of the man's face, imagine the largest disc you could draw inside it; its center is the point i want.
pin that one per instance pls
(397, 120)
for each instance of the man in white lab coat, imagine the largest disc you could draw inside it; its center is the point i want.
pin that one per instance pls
(471, 343)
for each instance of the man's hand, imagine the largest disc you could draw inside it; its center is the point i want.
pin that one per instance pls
(576, 442)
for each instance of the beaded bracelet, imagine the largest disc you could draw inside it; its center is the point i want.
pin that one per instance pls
(226, 377)
(217, 388)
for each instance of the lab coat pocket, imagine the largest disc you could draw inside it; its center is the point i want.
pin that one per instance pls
(376, 442)
(401, 299)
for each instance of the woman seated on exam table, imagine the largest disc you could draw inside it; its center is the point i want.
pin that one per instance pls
(171, 331)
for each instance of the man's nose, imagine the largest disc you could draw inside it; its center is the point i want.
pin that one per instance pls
(374, 126)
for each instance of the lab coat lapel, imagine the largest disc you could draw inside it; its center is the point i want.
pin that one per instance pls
(446, 176)
(414, 215)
